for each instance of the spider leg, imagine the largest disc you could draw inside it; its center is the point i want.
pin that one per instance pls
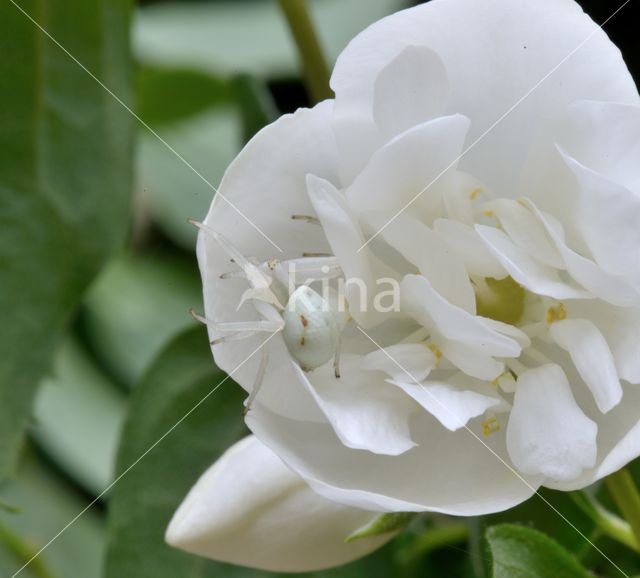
(257, 384)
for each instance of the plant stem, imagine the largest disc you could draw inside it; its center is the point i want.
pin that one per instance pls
(24, 552)
(315, 67)
(626, 496)
(607, 523)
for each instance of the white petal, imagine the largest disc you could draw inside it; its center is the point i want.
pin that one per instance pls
(524, 229)
(251, 510)
(548, 433)
(425, 305)
(620, 327)
(460, 195)
(451, 404)
(265, 169)
(415, 358)
(605, 136)
(608, 216)
(515, 44)
(469, 360)
(450, 472)
(538, 278)
(465, 241)
(618, 441)
(591, 356)
(508, 330)
(410, 90)
(345, 237)
(586, 272)
(402, 169)
(419, 245)
(365, 412)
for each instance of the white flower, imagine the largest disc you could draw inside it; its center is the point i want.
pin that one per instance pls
(514, 358)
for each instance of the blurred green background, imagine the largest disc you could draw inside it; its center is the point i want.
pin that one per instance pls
(98, 355)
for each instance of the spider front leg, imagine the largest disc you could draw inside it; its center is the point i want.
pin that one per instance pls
(257, 383)
(237, 330)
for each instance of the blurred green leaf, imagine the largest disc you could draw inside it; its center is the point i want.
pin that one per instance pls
(174, 192)
(519, 552)
(252, 37)
(64, 181)
(78, 415)
(138, 304)
(168, 95)
(551, 519)
(256, 104)
(144, 500)
(47, 503)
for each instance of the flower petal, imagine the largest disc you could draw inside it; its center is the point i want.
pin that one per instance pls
(535, 276)
(345, 237)
(620, 327)
(592, 357)
(548, 433)
(419, 245)
(590, 275)
(453, 405)
(403, 169)
(469, 360)
(522, 40)
(421, 74)
(422, 302)
(525, 231)
(618, 441)
(397, 360)
(250, 509)
(465, 241)
(365, 412)
(265, 164)
(608, 216)
(605, 136)
(484, 481)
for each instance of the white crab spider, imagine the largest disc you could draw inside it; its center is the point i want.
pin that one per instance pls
(311, 325)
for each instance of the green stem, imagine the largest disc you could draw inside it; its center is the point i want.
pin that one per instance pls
(624, 492)
(24, 552)
(607, 523)
(315, 67)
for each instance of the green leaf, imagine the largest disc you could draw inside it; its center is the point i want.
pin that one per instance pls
(519, 552)
(47, 503)
(137, 305)
(185, 93)
(144, 500)
(545, 512)
(255, 102)
(78, 416)
(65, 172)
(175, 193)
(251, 37)
(383, 524)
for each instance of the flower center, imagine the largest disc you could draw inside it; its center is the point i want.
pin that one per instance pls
(499, 299)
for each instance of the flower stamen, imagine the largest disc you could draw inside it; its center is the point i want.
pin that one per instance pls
(558, 313)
